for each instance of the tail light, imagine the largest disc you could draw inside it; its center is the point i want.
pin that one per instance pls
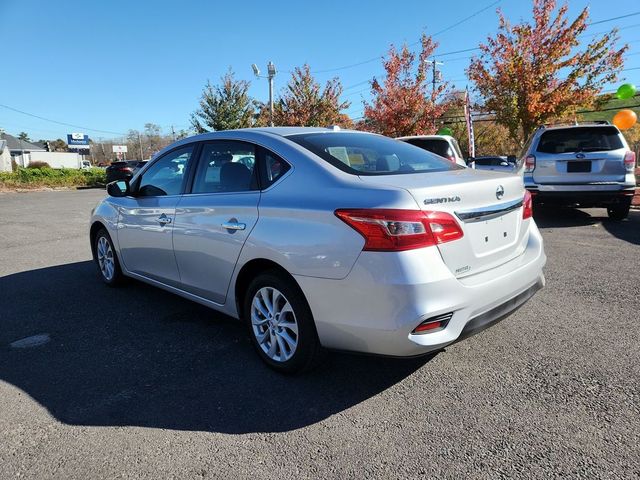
(527, 205)
(125, 169)
(452, 158)
(529, 163)
(390, 230)
(630, 161)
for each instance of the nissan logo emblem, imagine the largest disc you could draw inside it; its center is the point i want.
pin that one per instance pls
(499, 192)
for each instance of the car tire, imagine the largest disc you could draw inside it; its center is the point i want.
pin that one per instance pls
(280, 323)
(619, 211)
(106, 259)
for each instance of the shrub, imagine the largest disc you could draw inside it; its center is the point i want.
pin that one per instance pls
(37, 164)
(49, 177)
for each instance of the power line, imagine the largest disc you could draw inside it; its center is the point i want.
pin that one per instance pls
(377, 58)
(59, 123)
(614, 18)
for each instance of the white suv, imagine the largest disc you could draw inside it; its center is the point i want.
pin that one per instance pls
(444, 145)
(585, 165)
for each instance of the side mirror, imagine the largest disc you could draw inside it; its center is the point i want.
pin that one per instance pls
(119, 188)
(470, 160)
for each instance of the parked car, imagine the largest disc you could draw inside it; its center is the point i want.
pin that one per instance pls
(585, 165)
(123, 170)
(324, 239)
(495, 163)
(443, 145)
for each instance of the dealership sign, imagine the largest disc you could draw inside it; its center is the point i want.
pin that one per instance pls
(119, 149)
(78, 141)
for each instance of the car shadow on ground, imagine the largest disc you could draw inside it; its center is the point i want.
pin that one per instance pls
(143, 357)
(560, 217)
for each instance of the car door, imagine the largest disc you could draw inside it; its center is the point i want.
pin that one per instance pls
(145, 225)
(214, 219)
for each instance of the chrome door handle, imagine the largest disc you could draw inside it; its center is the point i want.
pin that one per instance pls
(234, 226)
(163, 219)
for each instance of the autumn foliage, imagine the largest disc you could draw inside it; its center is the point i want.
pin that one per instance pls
(403, 104)
(303, 102)
(531, 73)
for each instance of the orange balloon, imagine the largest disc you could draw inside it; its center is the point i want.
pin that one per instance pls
(625, 119)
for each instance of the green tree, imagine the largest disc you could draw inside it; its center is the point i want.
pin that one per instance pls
(225, 106)
(304, 103)
(24, 136)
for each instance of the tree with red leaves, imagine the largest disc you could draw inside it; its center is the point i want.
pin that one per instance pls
(404, 104)
(531, 73)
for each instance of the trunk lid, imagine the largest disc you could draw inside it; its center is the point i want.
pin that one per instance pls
(487, 205)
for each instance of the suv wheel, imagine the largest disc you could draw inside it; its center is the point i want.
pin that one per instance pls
(280, 323)
(619, 211)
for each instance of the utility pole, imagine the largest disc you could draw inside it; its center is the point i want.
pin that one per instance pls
(271, 72)
(435, 78)
(173, 133)
(140, 142)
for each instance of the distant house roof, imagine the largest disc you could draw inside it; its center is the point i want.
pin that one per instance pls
(17, 145)
(3, 145)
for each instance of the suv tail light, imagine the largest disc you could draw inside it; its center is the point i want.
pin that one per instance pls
(630, 161)
(529, 163)
(390, 230)
(527, 205)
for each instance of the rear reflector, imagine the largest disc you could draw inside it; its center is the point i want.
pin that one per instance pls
(434, 323)
(527, 205)
(390, 230)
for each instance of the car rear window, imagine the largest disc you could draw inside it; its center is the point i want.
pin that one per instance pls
(580, 139)
(368, 154)
(436, 145)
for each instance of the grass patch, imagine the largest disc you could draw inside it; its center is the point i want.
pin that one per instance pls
(53, 177)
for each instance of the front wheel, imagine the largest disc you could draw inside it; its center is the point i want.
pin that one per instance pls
(106, 259)
(280, 323)
(619, 211)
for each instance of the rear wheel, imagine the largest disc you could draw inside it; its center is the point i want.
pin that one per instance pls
(280, 323)
(619, 211)
(106, 259)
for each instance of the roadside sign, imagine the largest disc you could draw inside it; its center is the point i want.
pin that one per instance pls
(78, 141)
(119, 149)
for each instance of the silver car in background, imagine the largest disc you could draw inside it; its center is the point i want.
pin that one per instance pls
(324, 239)
(585, 165)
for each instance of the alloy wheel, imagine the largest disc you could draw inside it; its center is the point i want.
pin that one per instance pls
(105, 258)
(274, 324)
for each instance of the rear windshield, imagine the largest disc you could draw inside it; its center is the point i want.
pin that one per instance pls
(580, 139)
(436, 145)
(489, 161)
(367, 154)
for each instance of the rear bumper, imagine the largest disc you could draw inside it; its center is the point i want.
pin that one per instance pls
(591, 194)
(378, 305)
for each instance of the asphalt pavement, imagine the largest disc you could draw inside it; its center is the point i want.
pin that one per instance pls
(135, 382)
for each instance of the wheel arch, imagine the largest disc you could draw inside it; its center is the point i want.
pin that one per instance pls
(249, 271)
(93, 231)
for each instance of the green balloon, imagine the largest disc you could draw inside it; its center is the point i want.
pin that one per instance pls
(625, 91)
(445, 131)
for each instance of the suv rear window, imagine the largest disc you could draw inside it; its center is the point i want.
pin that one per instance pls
(436, 145)
(369, 154)
(580, 139)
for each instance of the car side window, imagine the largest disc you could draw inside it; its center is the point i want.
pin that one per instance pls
(274, 168)
(226, 166)
(166, 175)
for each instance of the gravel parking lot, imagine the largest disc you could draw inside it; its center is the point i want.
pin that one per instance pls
(136, 382)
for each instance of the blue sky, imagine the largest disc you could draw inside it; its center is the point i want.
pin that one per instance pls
(117, 65)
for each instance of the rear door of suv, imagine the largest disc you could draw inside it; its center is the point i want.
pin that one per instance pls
(578, 155)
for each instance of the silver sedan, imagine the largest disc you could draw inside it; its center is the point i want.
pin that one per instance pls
(324, 239)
